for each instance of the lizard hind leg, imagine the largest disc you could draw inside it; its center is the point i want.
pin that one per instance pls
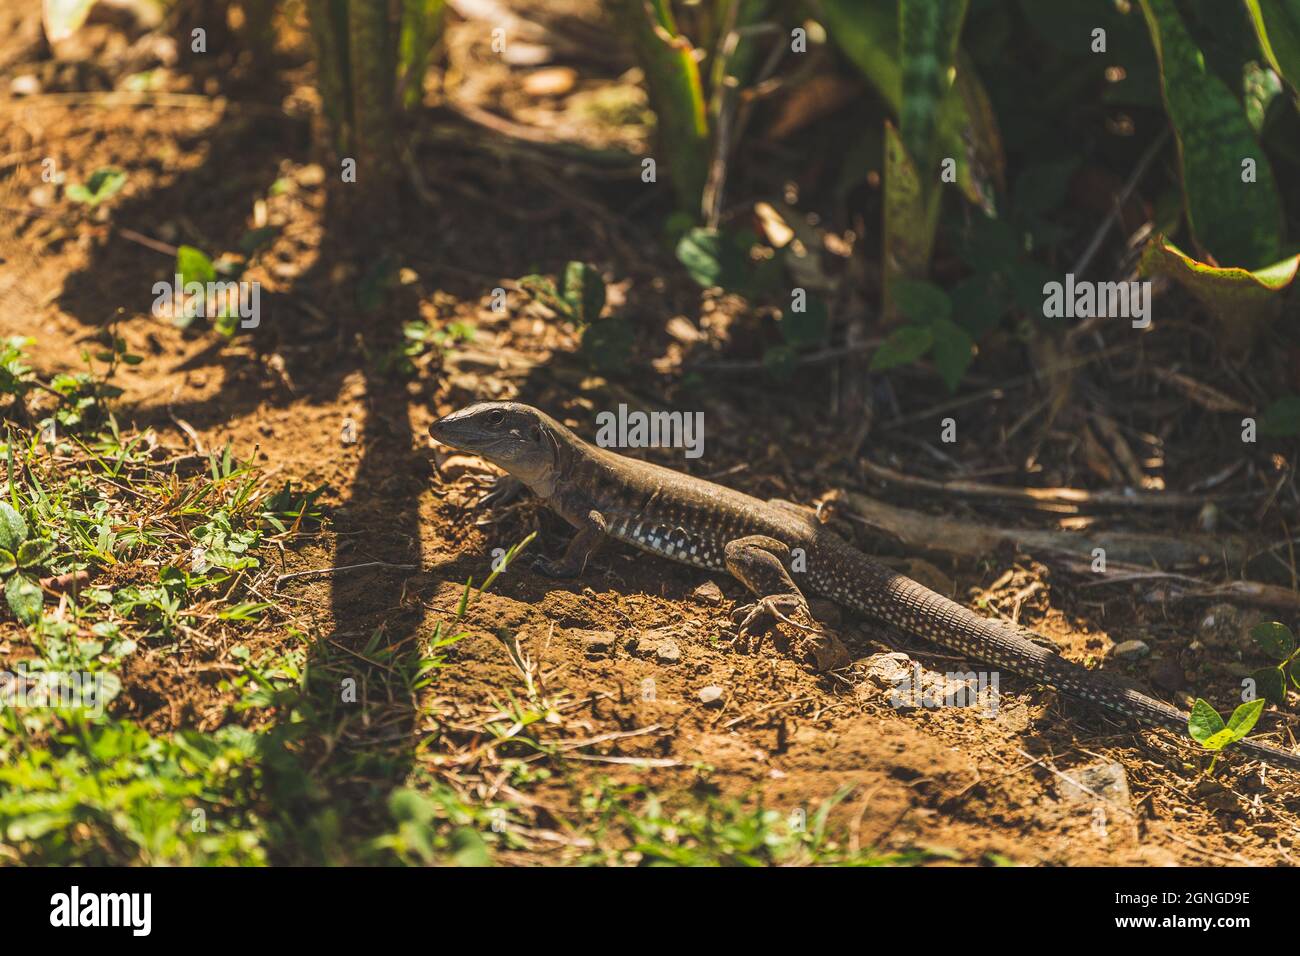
(759, 563)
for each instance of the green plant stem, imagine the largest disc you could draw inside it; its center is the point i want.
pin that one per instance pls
(672, 79)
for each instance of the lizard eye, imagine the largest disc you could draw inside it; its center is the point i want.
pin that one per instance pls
(496, 418)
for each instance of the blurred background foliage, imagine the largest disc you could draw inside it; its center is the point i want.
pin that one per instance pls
(1002, 144)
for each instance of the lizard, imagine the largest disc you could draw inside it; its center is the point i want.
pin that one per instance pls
(605, 495)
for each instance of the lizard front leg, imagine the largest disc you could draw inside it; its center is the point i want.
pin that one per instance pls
(590, 536)
(759, 563)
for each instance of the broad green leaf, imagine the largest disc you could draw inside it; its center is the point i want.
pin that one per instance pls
(193, 265)
(13, 529)
(1217, 741)
(1204, 721)
(607, 343)
(543, 290)
(1240, 223)
(1243, 302)
(980, 301)
(904, 345)
(255, 239)
(584, 292)
(25, 598)
(1270, 684)
(7, 561)
(102, 185)
(31, 553)
(802, 329)
(1274, 639)
(1245, 717)
(715, 258)
(1277, 25)
(954, 350)
(921, 301)
(110, 686)
(64, 17)
(928, 34)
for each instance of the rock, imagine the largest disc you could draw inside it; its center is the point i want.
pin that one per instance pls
(826, 651)
(825, 612)
(711, 696)
(658, 644)
(708, 593)
(1106, 781)
(595, 643)
(42, 196)
(26, 84)
(553, 81)
(887, 670)
(1131, 650)
(1167, 673)
(909, 686)
(1226, 625)
(668, 652)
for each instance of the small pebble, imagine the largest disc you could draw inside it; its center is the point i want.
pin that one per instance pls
(708, 593)
(25, 85)
(1087, 786)
(711, 696)
(595, 643)
(825, 612)
(1131, 650)
(552, 81)
(657, 644)
(668, 652)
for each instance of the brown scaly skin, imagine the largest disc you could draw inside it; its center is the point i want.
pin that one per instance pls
(692, 521)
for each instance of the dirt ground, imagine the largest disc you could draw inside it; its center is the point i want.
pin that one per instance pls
(968, 788)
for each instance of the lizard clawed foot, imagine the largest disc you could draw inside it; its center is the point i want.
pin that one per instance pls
(773, 607)
(505, 489)
(758, 617)
(821, 648)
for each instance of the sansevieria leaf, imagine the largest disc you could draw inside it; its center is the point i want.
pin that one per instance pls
(1229, 191)
(1277, 24)
(1243, 302)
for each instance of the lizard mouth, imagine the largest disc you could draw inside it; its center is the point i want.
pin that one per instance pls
(463, 435)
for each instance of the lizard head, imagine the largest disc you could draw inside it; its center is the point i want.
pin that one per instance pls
(516, 437)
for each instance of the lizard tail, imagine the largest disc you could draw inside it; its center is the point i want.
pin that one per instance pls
(886, 595)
